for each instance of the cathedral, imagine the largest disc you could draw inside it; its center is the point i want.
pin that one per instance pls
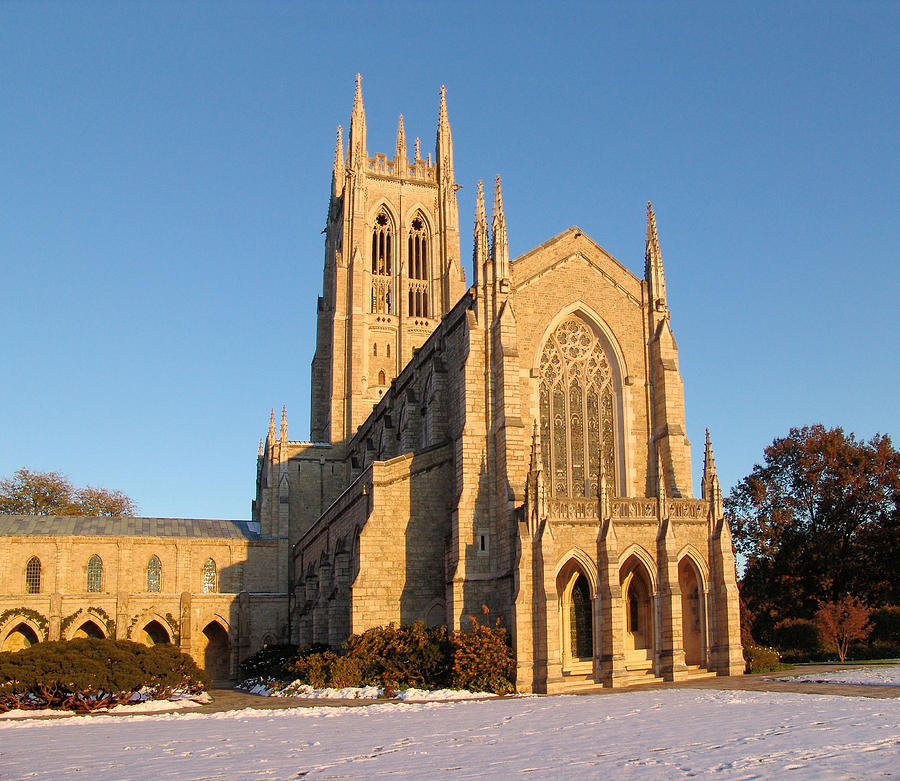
(517, 444)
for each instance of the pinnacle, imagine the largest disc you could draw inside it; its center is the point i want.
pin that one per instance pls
(401, 138)
(480, 219)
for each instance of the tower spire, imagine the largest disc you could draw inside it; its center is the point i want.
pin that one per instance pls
(357, 154)
(500, 244)
(444, 143)
(653, 264)
(401, 146)
(337, 174)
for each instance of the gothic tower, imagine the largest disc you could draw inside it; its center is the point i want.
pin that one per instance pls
(392, 270)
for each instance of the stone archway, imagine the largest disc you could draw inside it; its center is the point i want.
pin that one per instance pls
(216, 651)
(89, 629)
(692, 613)
(576, 618)
(637, 601)
(154, 633)
(22, 636)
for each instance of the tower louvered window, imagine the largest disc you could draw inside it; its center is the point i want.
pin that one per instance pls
(577, 411)
(417, 249)
(154, 574)
(95, 574)
(382, 265)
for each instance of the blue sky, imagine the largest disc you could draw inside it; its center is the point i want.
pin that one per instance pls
(165, 175)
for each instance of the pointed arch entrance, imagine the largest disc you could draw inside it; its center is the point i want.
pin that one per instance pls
(693, 615)
(22, 636)
(89, 629)
(154, 633)
(638, 618)
(216, 651)
(576, 616)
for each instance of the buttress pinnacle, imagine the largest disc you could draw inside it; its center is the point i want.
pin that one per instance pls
(356, 154)
(401, 140)
(653, 265)
(284, 423)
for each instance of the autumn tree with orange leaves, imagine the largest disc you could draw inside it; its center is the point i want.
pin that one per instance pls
(819, 520)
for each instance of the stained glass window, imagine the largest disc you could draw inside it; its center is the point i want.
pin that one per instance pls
(154, 574)
(209, 577)
(576, 411)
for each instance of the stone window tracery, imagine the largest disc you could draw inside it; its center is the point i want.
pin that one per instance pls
(95, 574)
(576, 411)
(419, 272)
(382, 264)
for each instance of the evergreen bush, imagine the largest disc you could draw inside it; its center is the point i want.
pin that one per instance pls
(797, 639)
(88, 673)
(761, 659)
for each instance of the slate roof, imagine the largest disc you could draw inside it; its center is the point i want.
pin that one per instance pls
(86, 526)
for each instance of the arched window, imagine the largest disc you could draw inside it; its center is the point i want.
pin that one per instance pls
(33, 576)
(382, 379)
(95, 574)
(154, 574)
(375, 350)
(388, 351)
(417, 248)
(577, 411)
(382, 264)
(581, 620)
(209, 577)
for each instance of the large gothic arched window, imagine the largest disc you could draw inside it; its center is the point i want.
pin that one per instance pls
(577, 411)
(382, 264)
(417, 249)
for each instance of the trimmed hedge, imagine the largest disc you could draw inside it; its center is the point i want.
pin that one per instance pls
(410, 655)
(761, 659)
(87, 673)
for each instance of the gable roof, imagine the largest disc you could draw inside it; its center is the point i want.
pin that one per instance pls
(105, 526)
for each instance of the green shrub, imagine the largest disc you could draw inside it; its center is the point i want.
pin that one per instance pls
(89, 673)
(797, 639)
(268, 662)
(412, 655)
(482, 659)
(761, 659)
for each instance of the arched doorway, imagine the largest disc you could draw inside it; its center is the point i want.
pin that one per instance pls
(23, 636)
(692, 613)
(576, 619)
(637, 600)
(89, 629)
(216, 652)
(154, 633)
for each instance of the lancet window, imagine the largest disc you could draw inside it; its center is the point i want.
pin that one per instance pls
(382, 264)
(154, 574)
(33, 576)
(576, 411)
(209, 577)
(95, 573)
(417, 249)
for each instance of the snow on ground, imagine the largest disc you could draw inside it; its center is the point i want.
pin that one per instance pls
(143, 706)
(633, 735)
(871, 675)
(304, 691)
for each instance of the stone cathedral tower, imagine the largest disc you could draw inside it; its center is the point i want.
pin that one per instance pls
(392, 270)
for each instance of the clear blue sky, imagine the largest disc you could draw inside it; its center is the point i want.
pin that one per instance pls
(165, 170)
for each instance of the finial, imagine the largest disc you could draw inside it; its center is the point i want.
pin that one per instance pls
(653, 267)
(339, 149)
(536, 456)
(500, 246)
(284, 423)
(260, 452)
(401, 139)
(709, 469)
(357, 96)
(271, 436)
(480, 219)
(498, 198)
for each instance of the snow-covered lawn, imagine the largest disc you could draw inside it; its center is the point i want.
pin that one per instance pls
(306, 692)
(872, 675)
(641, 735)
